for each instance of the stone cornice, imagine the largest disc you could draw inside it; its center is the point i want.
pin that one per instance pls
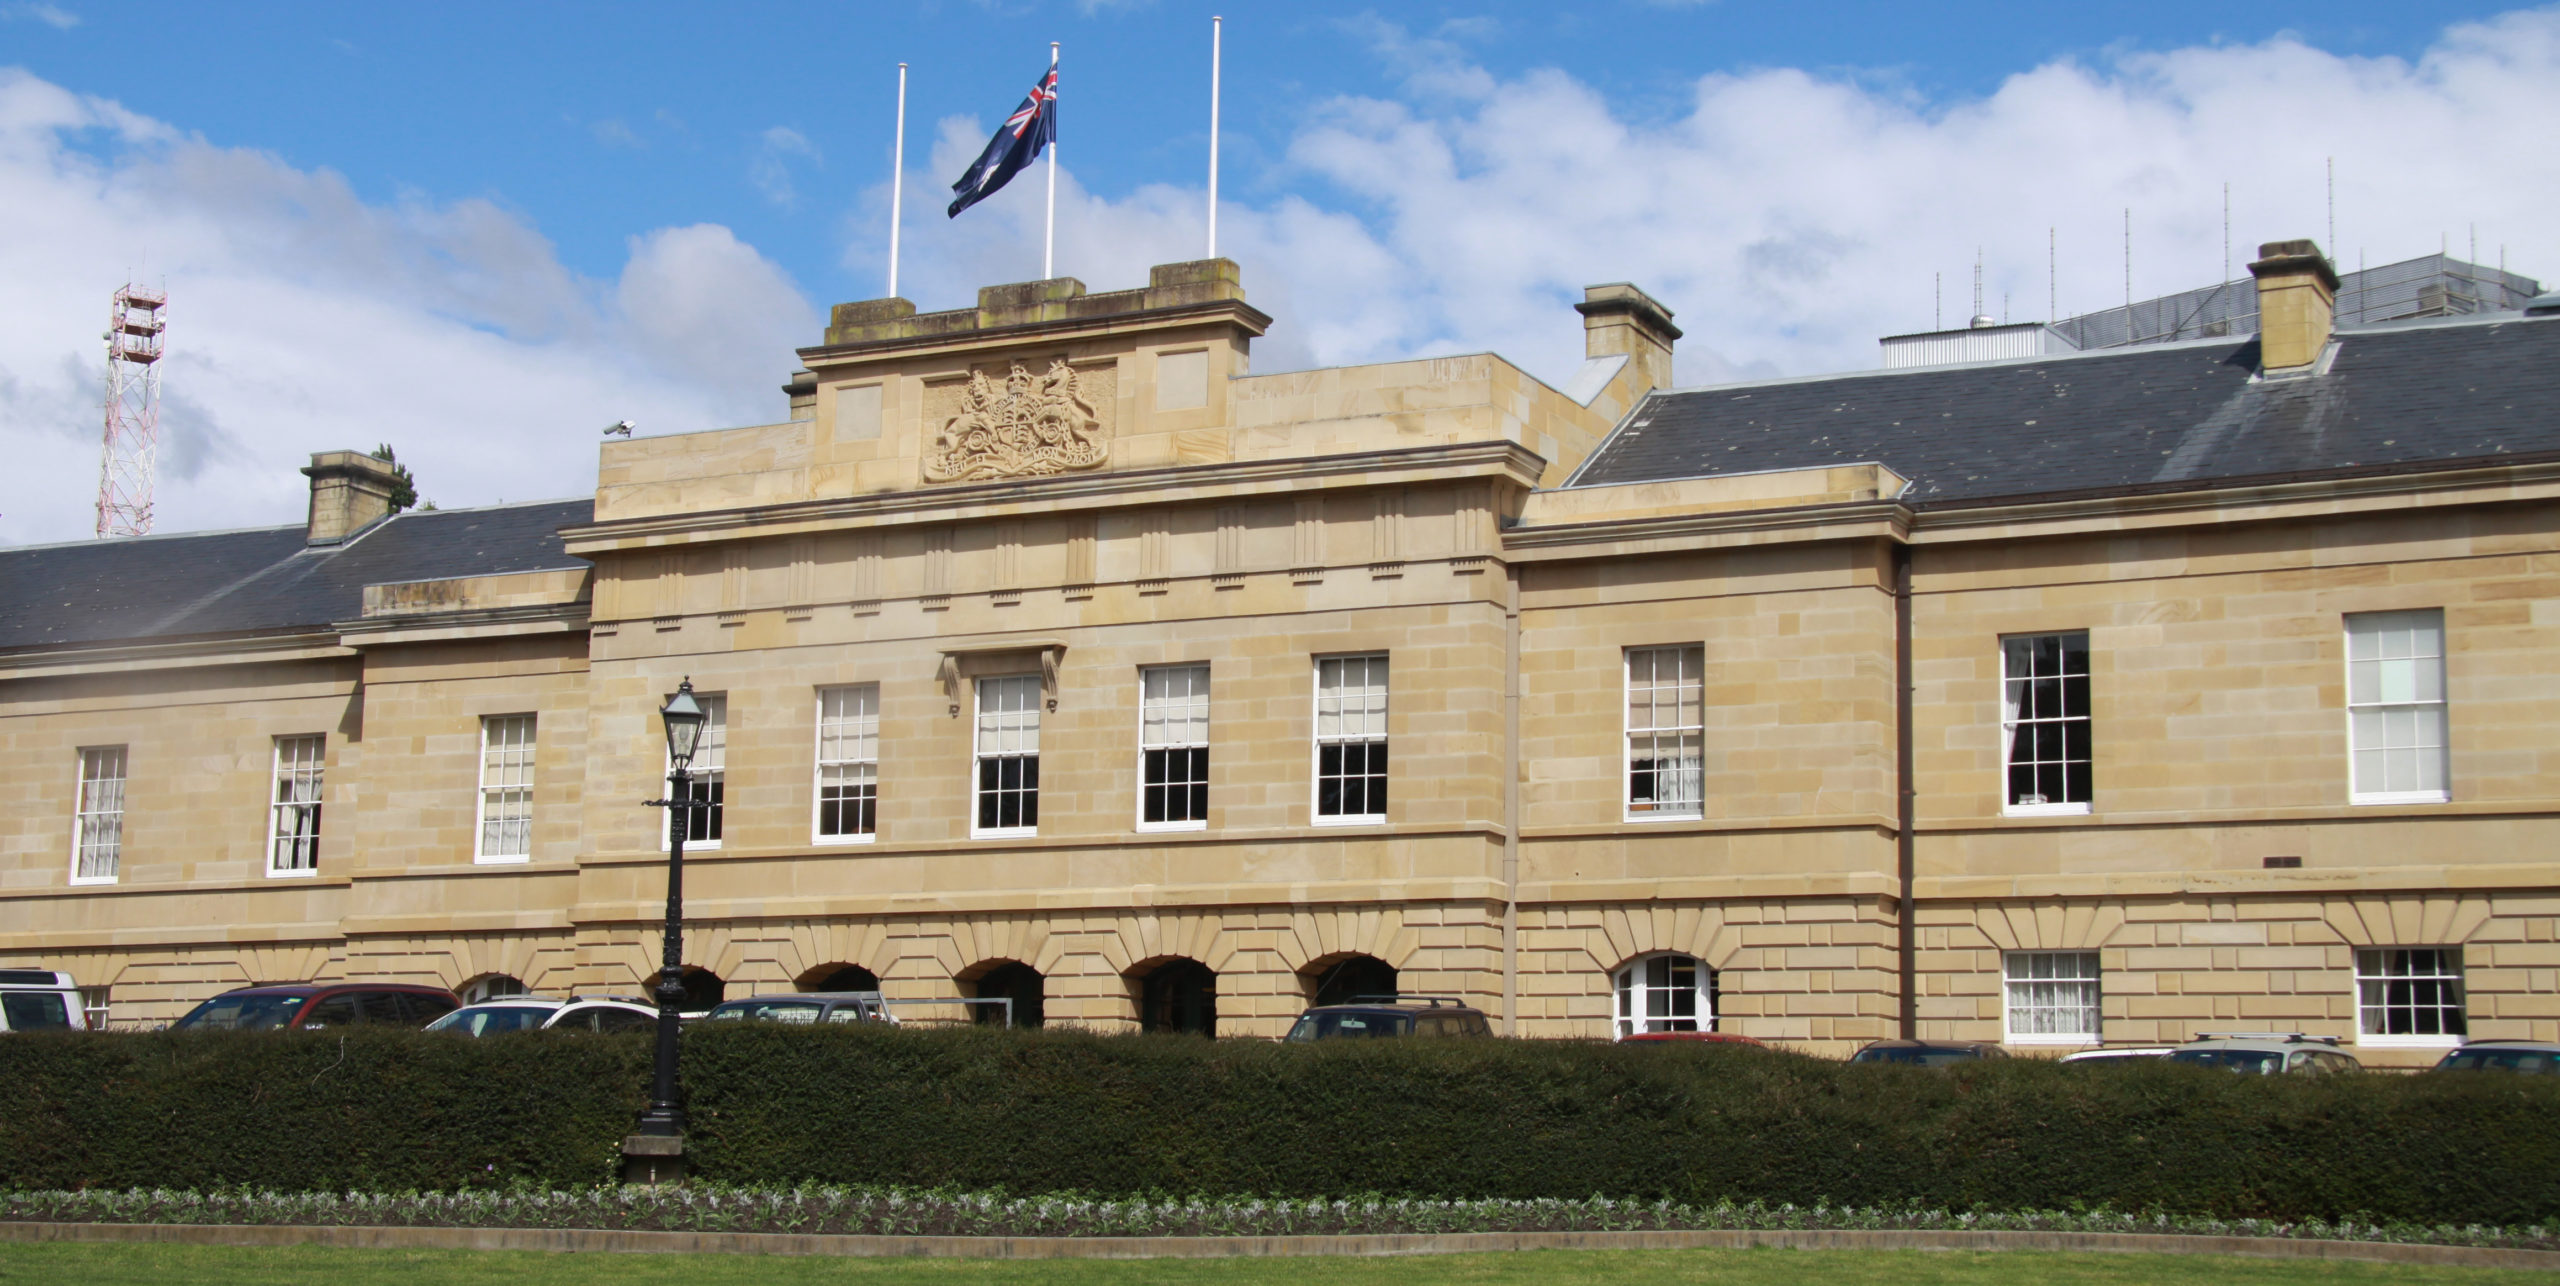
(963, 502)
(125, 657)
(1235, 312)
(471, 623)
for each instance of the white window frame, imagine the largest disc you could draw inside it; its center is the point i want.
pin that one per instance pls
(531, 754)
(1372, 663)
(2416, 680)
(2031, 969)
(1628, 992)
(1687, 704)
(98, 802)
(710, 766)
(998, 687)
(2010, 721)
(856, 732)
(1171, 722)
(299, 759)
(2449, 970)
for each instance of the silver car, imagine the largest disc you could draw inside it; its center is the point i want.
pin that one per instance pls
(2266, 1053)
(2530, 1056)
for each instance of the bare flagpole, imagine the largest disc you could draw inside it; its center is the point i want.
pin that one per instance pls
(1049, 238)
(1216, 30)
(897, 180)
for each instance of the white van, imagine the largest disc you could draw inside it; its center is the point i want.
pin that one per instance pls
(39, 1000)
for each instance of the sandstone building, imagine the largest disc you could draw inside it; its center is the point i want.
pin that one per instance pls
(2101, 697)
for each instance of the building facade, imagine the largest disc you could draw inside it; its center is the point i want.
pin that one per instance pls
(2094, 698)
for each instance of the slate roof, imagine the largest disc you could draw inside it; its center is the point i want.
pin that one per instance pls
(2397, 398)
(261, 580)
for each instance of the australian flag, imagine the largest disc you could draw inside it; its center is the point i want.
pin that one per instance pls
(1033, 126)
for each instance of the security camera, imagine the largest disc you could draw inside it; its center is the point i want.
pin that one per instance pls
(619, 428)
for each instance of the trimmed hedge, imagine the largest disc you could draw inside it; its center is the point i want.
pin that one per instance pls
(1062, 1111)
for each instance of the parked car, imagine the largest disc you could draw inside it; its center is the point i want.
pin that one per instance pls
(2266, 1053)
(1928, 1053)
(1688, 1038)
(547, 1013)
(2119, 1056)
(284, 1006)
(804, 1007)
(40, 1000)
(1376, 1016)
(2537, 1056)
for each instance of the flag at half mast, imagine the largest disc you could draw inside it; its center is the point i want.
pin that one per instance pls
(1033, 126)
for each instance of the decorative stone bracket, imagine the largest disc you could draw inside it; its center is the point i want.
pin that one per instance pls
(960, 654)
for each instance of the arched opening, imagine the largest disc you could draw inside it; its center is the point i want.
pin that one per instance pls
(702, 989)
(1340, 980)
(491, 986)
(1014, 981)
(1179, 996)
(839, 977)
(1667, 992)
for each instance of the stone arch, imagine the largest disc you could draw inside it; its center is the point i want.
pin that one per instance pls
(2048, 926)
(1317, 934)
(1628, 932)
(1340, 977)
(491, 986)
(1016, 980)
(2424, 920)
(836, 975)
(1175, 994)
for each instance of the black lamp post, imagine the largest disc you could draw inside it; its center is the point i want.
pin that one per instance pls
(656, 1152)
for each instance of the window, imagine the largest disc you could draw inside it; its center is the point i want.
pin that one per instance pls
(2395, 707)
(1173, 747)
(848, 763)
(97, 826)
(709, 786)
(293, 830)
(506, 788)
(2053, 998)
(1666, 697)
(1666, 993)
(2409, 996)
(95, 1004)
(1008, 755)
(2044, 721)
(1351, 739)
(494, 986)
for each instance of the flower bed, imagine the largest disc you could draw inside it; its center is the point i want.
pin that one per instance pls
(910, 1212)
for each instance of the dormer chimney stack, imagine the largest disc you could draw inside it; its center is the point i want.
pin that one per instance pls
(1618, 318)
(349, 491)
(2297, 303)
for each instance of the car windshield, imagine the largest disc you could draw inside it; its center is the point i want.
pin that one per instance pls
(488, 1020)
(2500, 1060)
(771, 1011)
(1918, 1056)
(242, 1012)
(2237, 1060)
(1342, 1026)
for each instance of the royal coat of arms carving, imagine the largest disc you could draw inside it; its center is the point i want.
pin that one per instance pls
(1030, 426)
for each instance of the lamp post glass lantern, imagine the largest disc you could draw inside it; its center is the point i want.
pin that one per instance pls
(664, 1117)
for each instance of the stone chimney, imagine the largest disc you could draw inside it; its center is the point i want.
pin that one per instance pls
(349, 490)
(2297, 298)
(1618, 318)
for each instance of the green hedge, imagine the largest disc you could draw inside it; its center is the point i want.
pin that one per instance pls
(1041, 1112)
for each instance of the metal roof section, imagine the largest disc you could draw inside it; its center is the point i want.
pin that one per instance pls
(2410, 396)
(261, 580)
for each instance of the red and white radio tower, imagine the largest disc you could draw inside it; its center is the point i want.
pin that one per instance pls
(135, 330)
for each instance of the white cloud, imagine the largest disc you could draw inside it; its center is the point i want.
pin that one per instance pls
(302, 319)
(1789, 218)
(53, 16)
(770, 167)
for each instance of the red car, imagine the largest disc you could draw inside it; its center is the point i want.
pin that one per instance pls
(286, 1006)
(1689, 1038)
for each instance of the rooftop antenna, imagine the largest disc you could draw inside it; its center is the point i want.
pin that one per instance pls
(1977, 281)
(897, 180)
(2475, 243)
(2333, 201)
(1937, 301)
(135, 334)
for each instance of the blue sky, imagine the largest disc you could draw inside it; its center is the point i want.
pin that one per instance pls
(569, 212)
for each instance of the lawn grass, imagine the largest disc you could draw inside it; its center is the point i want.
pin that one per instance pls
(58, 1264)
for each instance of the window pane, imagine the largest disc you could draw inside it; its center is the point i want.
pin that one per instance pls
(1665, 993)
(1009, 752)
(98, 840)
(1351, 737)
(848, 754)
(2046, 718)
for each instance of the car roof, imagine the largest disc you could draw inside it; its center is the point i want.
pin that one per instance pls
(525, 1002)
(316, 988)
(2515, 1043)
(1708, 1037)
(1382, 1007)
(819, 997)
(1930, 1044)
(2258, 1044)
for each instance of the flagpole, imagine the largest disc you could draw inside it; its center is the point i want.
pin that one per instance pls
(1216, 30)
(898, 180)
(1049, 236)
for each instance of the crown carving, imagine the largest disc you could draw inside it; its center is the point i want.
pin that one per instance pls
(1030, 426)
